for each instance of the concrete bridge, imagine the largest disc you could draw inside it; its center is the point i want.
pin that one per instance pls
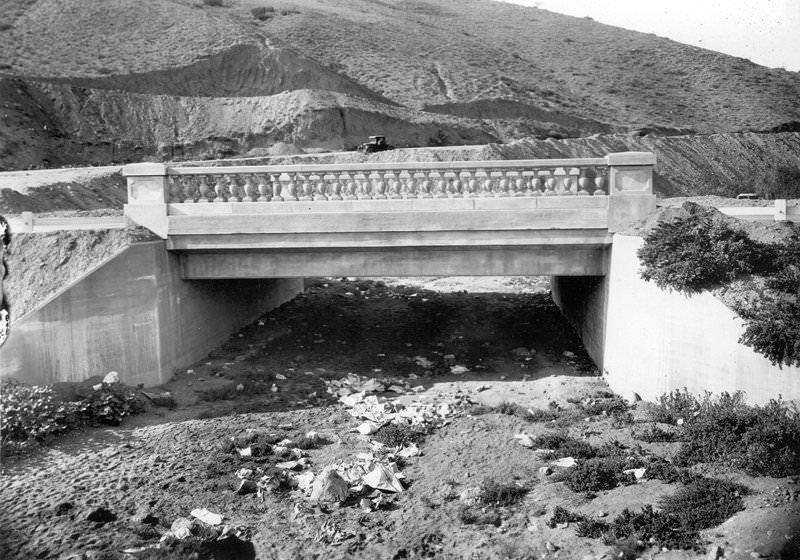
(532, 217)
(237, 241)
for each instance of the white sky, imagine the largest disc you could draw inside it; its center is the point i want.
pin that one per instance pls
(764, 31)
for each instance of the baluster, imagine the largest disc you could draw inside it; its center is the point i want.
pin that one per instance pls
(204, 189)
(453, 185)
(409, 185)
(233, 189)
(484, 183)
(392, 185)
(520, 184)
(549, 182)
(220, 190)
(571, 184)
(279, 186)
(250, 189)
(319, 188)
(500, 184)
(471, 186)
(262, 188)
(349, 187)
(424, 183)
(303, 187)
(334, 187)
(531, 188)
(600, 183)
(585, 181)
(381, 186)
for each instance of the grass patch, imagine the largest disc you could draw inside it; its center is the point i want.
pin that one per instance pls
(512, 409)
(654, 434)
(563, 445)
(704, 503)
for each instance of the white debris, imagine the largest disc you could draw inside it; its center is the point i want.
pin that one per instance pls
(111, 377)
(565, 462)
(525, 440)
(382, 477)
(368, 428)
(207, 517)
(458, 370)
(246, 452)
(638, 473)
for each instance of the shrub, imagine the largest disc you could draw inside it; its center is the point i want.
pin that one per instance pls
(494, 494)
(263, 13)
(694, 252)
(34, 415)
(565, 446)
(665, 530)
(655, 434)
(773, 330)
(704, 503)
(759, 440)
(599, 473)
(563, 515)
(674, 406)
(213, 3)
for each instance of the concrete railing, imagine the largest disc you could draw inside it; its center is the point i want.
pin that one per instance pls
(154, 189)
(779, 211)
(27, 222)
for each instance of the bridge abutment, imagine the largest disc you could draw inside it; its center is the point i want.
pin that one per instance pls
(137, 316)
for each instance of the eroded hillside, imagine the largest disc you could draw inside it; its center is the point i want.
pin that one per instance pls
(174, 79)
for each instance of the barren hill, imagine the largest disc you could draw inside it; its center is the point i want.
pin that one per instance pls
(122, 80)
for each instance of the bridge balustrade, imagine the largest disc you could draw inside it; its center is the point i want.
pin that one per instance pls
(497, 179)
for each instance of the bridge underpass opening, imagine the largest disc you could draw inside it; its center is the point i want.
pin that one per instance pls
(406, 332)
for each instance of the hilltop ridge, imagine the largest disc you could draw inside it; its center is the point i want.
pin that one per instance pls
(84, 83)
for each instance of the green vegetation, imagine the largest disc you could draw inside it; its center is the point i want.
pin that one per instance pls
(701, 250)
(35, 414)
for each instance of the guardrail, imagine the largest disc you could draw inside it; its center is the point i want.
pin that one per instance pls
(778, 212)
(28, 223)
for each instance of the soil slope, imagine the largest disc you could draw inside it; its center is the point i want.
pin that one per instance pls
(183, 76)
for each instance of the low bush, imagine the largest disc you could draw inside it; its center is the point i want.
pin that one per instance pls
(563, 445)
(675, 406)
(695, 252)
(654, 434)
(34, 415)
(213, 3)
(778, 181)
(596, 474)
(773, 330)
(563, 515)
(704, 503)
(760, 440)
(650, 526)
(495, 494)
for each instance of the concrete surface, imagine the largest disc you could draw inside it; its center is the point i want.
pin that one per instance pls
(137, 316)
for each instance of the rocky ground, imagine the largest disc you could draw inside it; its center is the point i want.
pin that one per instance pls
(342, 360)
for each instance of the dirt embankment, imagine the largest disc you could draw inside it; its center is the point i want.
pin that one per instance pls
(41, 264)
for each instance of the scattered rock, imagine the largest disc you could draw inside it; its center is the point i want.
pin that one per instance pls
(181, 527)
(545, 471)
(63, 508)
(715, 553)
(568, 354)
(111, 377)
(329, 487)
(525, 440)
(458, 370)
(247, 487)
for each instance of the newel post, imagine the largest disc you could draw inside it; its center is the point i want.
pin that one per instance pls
(148, 195)
(630, 187)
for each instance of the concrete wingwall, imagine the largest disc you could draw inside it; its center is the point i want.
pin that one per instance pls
(135, 315)
(656, 341)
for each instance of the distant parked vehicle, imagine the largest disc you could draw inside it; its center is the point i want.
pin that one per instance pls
(375, 144)
(748, 196)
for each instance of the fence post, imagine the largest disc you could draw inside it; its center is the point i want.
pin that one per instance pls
(630, 188)
(148, 195)
(780, 210)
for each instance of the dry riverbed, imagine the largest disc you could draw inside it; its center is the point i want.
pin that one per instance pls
(276, 431)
